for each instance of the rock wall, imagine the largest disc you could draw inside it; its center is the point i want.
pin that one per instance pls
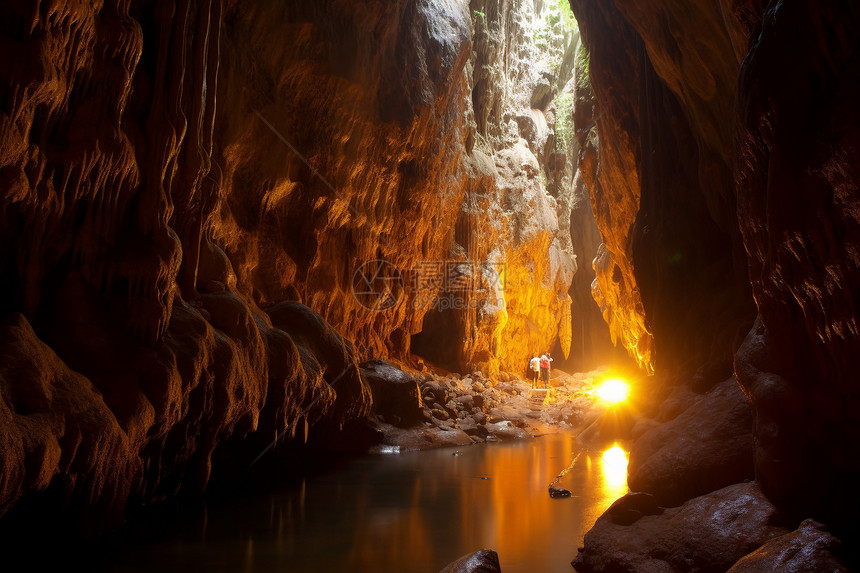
(671, 274)
(152, 204)
(797, 175)
(213, 210)
(342, 144)
(515, 214)
(721, 152)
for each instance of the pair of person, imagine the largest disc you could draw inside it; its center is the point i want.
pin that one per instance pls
(541, 365)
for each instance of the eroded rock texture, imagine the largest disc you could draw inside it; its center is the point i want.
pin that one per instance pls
(516, 208)
(799, 138)
(191, 190)
(707, 533)
(721, 151)
(706, 447)
(808, 548)
(669, 276)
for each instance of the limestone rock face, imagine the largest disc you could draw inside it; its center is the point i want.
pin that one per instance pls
(720, 149)
(661, 183)
(614, 190)
(799, 138)
(213, 211)
(512, 233)
(341, 145)
(592, 344)
(54, 422)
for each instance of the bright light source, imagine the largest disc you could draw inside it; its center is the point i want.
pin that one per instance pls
(615, 456)
(613, 391)
(615, 467)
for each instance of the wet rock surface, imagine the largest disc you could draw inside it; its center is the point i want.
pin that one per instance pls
(707, 447)
(483, 561)
(395, 393)
(808, 548)
(707, 534)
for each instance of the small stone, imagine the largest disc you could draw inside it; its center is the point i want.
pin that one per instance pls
(439, 413)
(558, 492)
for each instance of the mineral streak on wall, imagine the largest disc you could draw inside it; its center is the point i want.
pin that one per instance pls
(188, 189)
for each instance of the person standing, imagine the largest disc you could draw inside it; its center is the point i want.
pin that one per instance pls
(534, 366)
(544, 369)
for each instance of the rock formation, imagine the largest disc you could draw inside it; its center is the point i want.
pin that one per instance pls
(483, 561)
(720, 151)
(515, 211)
(214, 211)
(708, 533)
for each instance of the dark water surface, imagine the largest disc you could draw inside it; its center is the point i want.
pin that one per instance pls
(413, 512)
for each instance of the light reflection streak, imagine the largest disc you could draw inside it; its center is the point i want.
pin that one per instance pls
(614, 466)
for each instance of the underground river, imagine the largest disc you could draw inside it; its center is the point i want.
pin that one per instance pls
(414, 511)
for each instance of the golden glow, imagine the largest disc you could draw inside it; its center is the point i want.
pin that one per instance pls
(615, 467)
(613, 391)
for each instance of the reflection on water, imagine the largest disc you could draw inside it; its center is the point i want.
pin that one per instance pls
(410, 512)
(615, 470)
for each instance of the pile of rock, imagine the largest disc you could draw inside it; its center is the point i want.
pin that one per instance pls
(464, 409)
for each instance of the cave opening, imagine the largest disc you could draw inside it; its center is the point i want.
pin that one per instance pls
(312, 251)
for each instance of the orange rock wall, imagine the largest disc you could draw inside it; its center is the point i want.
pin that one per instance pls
(188, 190)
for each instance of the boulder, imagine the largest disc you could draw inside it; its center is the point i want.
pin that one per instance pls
(467, 401)
(808, 548)
(439, 412)
(483, 561)
(505, 430)
(706, 447)
(435, 391)
(632, 507)
(395, 393)
(707, 534)
(471, 426)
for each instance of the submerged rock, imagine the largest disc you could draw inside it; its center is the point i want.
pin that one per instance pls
(483, 561)
(558, 492)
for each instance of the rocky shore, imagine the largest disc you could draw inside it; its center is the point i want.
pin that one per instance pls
(433, 408)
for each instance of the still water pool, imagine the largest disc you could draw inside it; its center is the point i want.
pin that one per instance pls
(412, 512)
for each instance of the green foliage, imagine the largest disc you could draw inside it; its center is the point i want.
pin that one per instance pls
(564, 129)
(567, 14)
(554, 30)
(480, 15)
(583, 60)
